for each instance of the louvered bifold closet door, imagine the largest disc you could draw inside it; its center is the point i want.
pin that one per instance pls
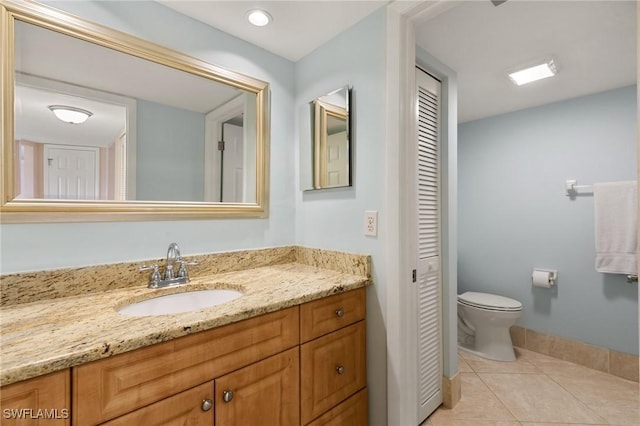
(428, 245)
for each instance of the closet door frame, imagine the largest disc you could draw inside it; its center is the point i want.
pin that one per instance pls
(401, 60)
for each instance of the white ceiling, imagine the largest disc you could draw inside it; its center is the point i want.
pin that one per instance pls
(58, 59)
(298, 26)
(593, 42)
(35, 122)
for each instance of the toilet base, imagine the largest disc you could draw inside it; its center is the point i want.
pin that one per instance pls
(485, 332)
(504, 356)
(491, 342)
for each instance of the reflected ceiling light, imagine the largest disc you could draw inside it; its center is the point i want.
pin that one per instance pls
(70, 114)
(259, 18)
(538, 72)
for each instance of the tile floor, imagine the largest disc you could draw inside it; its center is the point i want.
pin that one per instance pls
(537, 390)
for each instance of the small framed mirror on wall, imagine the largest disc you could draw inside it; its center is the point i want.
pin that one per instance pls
(331, 140)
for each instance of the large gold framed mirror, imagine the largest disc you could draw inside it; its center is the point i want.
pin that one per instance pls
(98, 125)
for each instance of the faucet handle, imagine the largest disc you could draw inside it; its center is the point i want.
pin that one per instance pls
(155, 275)
(183, 272)
(148, 267)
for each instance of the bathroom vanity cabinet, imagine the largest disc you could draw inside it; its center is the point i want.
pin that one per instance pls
(333, 357)
(301, 365)
(111, 387)
(43, 400)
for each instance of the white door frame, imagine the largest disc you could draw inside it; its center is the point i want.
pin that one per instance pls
(402, 18)
(233, 163)
(213, 134)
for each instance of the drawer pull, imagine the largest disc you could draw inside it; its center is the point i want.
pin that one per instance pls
(340, 313)
(227, 396)
(340, 369)
(206, 404)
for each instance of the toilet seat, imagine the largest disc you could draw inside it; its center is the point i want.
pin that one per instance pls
(489, 302)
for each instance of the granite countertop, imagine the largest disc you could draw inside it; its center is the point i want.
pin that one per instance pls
(44, 336)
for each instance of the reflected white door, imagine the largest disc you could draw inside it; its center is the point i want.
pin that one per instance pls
(233, 163)
(71, 172)
(337, 163)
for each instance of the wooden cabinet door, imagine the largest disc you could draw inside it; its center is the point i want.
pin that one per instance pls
(264, 393)
(43, 400)
(186, 408)
(352, 412)
(111, 387)
(333, 367)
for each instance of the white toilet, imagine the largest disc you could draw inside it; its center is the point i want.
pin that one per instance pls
(483, 324)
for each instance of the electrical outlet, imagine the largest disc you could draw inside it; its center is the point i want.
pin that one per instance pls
(371, 223)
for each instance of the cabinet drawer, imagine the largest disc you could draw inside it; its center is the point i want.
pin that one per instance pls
(184, 408)
(352, 412)
(265, 393)
(333, 367)
(50, 393)
(331, 313)
(105, 389)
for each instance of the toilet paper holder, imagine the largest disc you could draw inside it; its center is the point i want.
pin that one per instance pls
(550, 276)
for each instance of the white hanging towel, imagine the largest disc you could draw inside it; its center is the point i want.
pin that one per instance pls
(616, 206)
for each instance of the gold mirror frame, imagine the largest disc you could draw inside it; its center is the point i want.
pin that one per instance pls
(32, 210)
(322, 112)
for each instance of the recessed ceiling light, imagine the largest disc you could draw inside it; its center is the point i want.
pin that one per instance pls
(259, 18)
(70, 114)
(537, 72)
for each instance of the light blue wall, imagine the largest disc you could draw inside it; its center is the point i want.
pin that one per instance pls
(169, 153)
(514, 215)
(334, 218)
(27, 247)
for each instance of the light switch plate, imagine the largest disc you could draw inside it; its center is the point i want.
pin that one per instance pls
(371, 223)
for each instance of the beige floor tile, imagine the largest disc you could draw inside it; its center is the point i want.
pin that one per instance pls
(463, 367)
(462, 422)
(558, 424)
(477, 403)
(614, 399)
(483, 365)
(537, 398)
(426, 423)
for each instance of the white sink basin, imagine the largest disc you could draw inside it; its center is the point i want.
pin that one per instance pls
(179, 303)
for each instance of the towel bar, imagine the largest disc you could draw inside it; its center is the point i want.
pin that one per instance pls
(574, 189)
(632, 279)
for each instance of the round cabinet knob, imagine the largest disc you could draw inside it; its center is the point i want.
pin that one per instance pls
(340, 313)
(206, 404)
(340, 369)
(227, 396)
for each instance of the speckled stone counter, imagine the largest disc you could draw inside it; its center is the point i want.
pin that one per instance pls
(40, 335)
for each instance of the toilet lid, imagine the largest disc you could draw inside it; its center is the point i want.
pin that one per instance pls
(489, 301)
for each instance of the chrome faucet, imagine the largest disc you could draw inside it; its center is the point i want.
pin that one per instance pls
(173, 256)
(170, 277)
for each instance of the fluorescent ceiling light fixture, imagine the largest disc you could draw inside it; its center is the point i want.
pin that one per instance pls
(538, 72)
(70, 114)
(259, 18)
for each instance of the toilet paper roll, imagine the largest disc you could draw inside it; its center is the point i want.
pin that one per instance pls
(542, 278)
